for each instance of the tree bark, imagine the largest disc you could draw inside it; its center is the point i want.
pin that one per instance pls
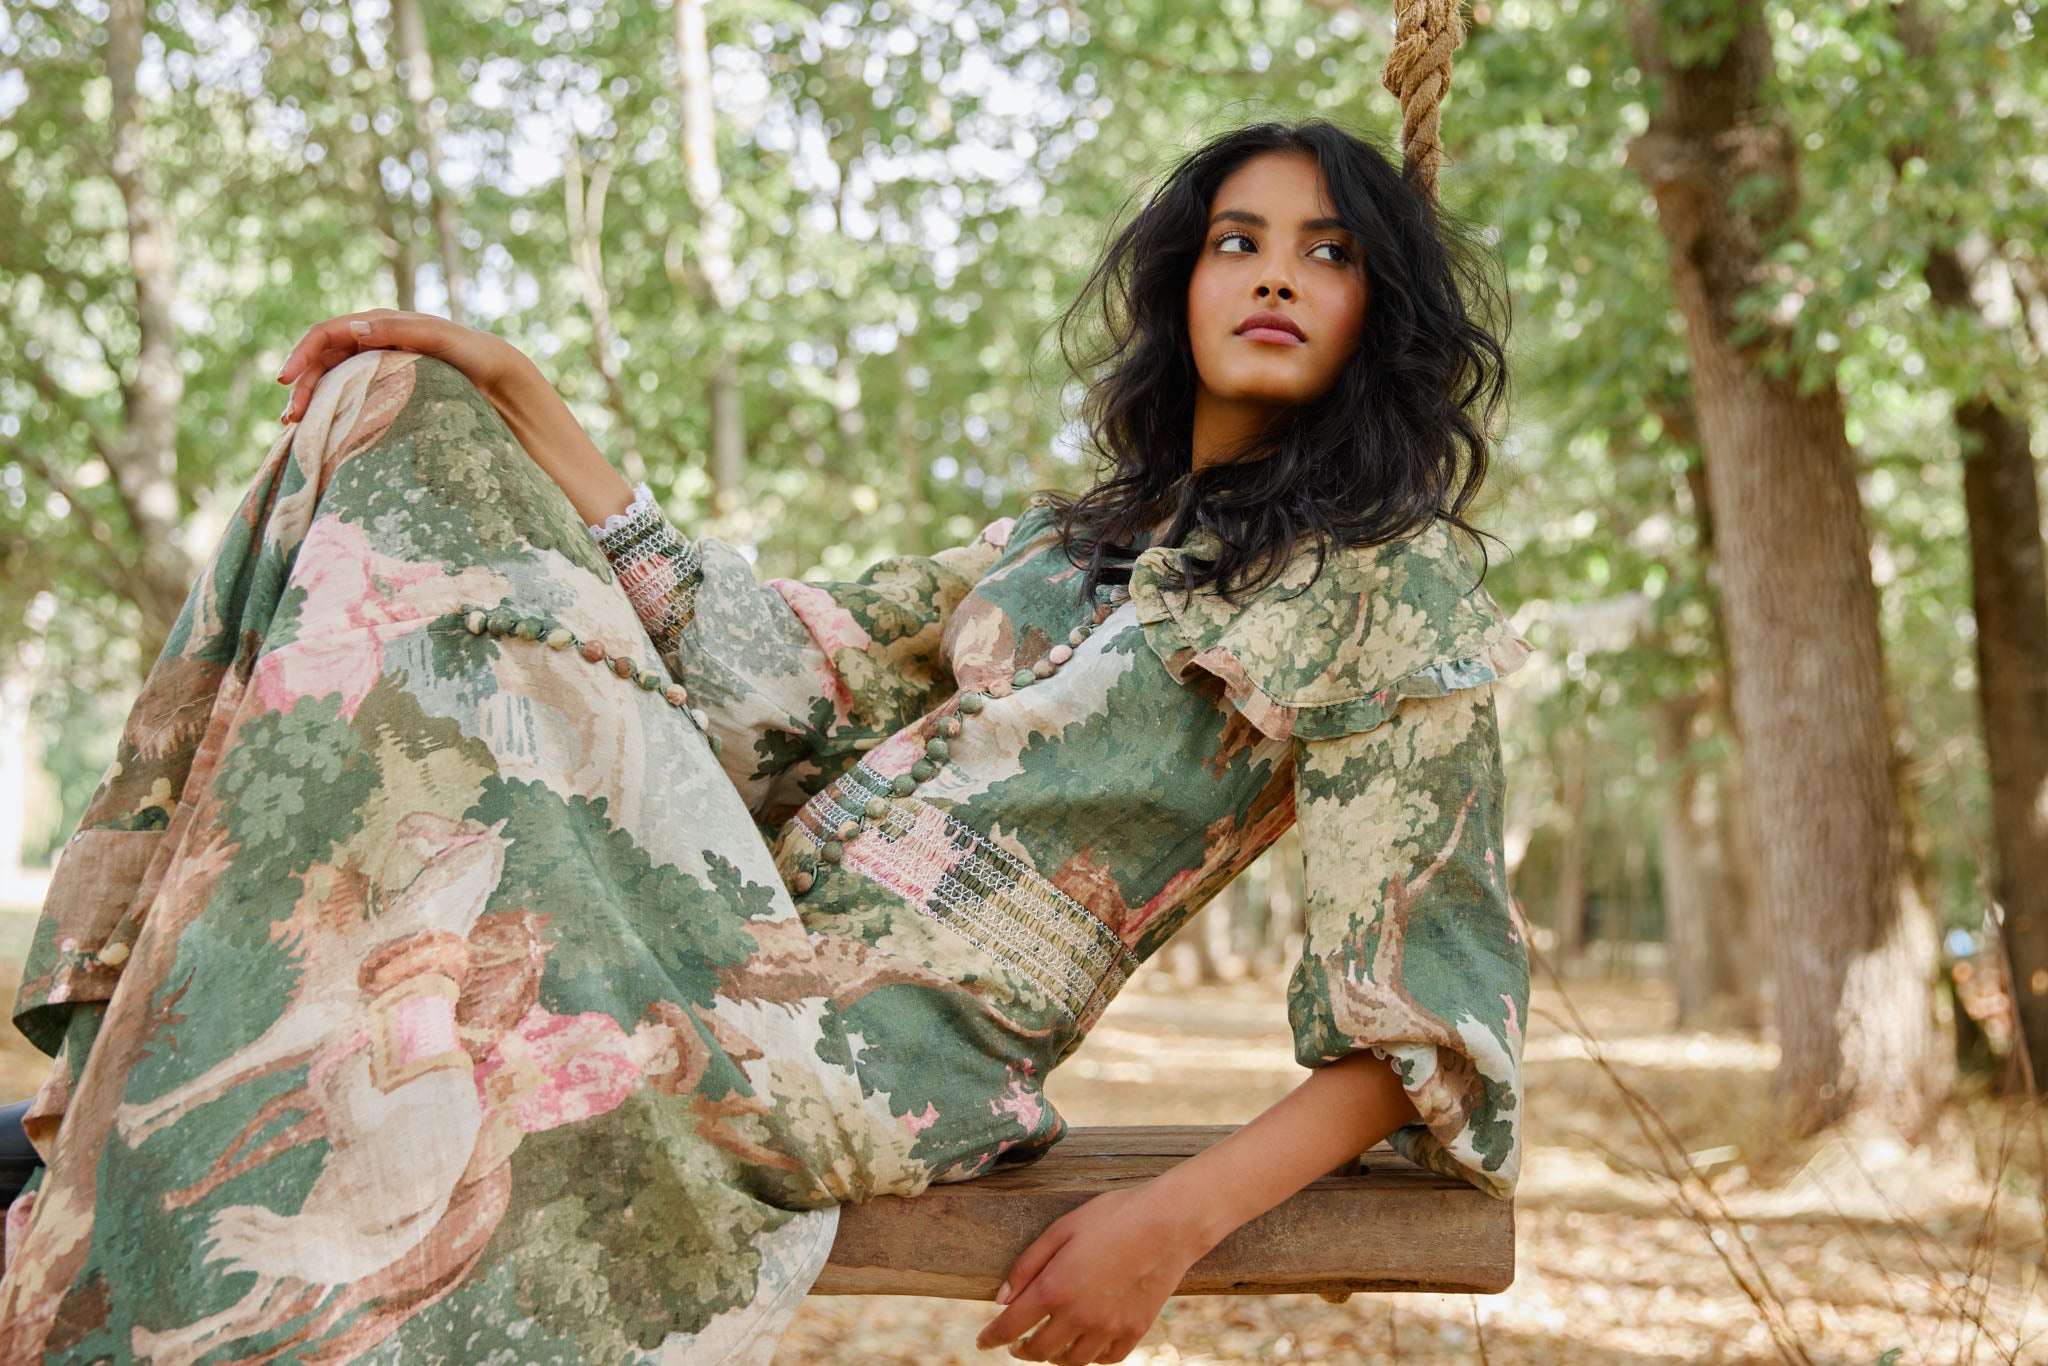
(143, 458)
(1854, 952)
(409, 33)
(2002, 496)
(1569, 919)
(368, 171)
(585, 212)
(2009, 597)
(716, 222)
(1690, 915)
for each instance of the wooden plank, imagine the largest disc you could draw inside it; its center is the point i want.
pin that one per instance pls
(1381, 1224)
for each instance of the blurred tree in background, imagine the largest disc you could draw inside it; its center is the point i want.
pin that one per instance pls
(801, 276)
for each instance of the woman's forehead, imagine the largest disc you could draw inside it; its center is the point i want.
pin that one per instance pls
(1282, 188)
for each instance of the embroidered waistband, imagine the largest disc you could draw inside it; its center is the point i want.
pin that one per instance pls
(976, 888)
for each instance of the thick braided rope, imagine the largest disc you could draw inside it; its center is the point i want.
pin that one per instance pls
(1418, 72)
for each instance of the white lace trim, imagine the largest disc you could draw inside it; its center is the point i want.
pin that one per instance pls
(643, 501)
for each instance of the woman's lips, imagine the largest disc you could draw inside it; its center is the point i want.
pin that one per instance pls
(1271, 325)
(1270, 334)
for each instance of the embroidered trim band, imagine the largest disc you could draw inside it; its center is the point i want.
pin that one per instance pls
(658, 569)
(975, 888)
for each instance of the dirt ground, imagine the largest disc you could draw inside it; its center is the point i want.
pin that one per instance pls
(1861, 1249)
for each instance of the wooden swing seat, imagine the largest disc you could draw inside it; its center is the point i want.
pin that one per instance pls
(1379, 1223)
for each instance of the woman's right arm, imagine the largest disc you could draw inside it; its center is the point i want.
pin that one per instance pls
(557, 442)
(505, 374)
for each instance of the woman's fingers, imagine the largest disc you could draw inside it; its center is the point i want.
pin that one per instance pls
(485, 359)
(1085, 1349)
(309, 377)
(1050, 1343)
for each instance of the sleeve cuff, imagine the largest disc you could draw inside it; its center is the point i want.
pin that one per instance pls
(643, 503)
(659, 570)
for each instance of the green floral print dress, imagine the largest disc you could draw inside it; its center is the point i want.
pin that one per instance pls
(496, 944)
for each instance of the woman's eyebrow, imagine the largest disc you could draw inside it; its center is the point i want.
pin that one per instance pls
(1257, 221)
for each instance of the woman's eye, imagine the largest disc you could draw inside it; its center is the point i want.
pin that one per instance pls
(1223, 242)
(1342, 254)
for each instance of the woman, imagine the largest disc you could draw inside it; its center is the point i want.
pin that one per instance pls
(421, 988)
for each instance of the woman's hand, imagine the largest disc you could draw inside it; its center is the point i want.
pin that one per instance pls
(1101, 1272)
(488, 361)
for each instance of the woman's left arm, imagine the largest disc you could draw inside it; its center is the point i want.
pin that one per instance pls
(1406, 1003)
(1103, 1271)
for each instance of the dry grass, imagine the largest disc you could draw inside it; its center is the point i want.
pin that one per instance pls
(1843, 1248)
(1658, 1219)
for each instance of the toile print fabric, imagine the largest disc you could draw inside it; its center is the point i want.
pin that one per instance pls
(457, 964)
(1108, 766)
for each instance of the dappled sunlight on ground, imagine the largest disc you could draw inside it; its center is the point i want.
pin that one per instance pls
(1609, 1268)
(1608, 1271)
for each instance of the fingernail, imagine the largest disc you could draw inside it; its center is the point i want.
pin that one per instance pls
(360, 328)
(1003, 1293)
(286, 415)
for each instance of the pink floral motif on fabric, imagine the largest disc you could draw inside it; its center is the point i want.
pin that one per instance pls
(423, 1026)
(563, 1068)
(1025, 1106)
(350, 591)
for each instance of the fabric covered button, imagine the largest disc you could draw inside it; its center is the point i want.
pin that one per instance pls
(923, 769)
(802, 882)
(592, 650)
(1043, 669)
(848, 829)
(936, 749)
(1023, 678)
(1060, 654)
(474, 621)
(560, 638)
(950, 726)
(878, 808)
(675, 695)
(527, 628)
(903, 784)
(831, 851)
(972, 702)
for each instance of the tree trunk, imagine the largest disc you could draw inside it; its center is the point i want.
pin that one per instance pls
(1854, 953)
(585, 213)
(2009, 597)
(1690, 915)
(416, 62)
(144, 457)
(1569, 919)
(367, 172)
(715, 228)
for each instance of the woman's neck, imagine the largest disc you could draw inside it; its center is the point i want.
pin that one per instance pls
(1224, 425)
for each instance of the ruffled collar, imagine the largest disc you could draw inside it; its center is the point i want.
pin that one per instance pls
(1317, 660)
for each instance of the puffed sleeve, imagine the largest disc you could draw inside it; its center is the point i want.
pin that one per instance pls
(1411, 949)
(1376, 669)
(796, 679)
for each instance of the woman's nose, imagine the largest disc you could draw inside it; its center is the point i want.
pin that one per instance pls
(1284, 291)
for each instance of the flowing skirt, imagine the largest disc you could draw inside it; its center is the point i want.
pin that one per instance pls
(420, 989)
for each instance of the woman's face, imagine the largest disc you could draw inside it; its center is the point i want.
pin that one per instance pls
(1274, 247)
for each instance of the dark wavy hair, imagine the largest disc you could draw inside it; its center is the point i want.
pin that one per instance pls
(1399, 439)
